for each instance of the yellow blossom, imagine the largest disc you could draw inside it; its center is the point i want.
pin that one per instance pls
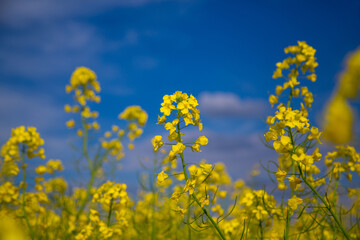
(70, 123)
(294, 201)
(157, 142)
(162, 177)
(280, 175)
(41, 170)
(273, 100)
(294, 182)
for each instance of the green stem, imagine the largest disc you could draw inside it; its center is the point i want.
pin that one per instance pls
(329, 208)
(153, 232)
(91, 166)
(188, 218)
(214, 224)
(85, 142)
(87, 196)
(110, 211)
(287, 227)
(24, 192)
(288, 213)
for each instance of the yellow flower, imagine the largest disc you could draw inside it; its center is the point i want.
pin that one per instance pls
(279, 89)
(350, 78)
(171, 127)
(196, 147)
(67, 108)
(202, 140)
(176, 149)
(131, 146)
(190, 185)
(134, 113)
(315, 134)
(260, 212)
(282, 186)
(217, 208)
(157, 142)
(283, 145)
(95, 125)
(166, 109)
(79, 133)
(175, 196)
(338, 122)
(294, 182)
(40, 170)
(206, 168)
(294, 201)
(280, 175)
(162, 177)
(70, 123)
(277, 73)
(312, 77)
(273, 100)
(180, 211)
(161, 120)
(107, 134)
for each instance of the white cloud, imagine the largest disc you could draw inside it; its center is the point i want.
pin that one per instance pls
(239, 153)
(28, 109)
(228, 104)
(20, 13)
(49, 50)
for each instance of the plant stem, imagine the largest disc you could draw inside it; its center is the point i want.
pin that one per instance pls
(288, 213)
(110, 210)
(87, 196)
(91, 166)
(24, 191)
(347, 236)
(153, 232)
(214, 224)
(188, 218)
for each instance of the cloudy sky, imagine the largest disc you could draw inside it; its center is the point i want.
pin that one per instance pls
(222, 52)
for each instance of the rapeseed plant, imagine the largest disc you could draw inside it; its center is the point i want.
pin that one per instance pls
(191, 200)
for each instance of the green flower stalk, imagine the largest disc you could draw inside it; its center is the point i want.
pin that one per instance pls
(184, 114)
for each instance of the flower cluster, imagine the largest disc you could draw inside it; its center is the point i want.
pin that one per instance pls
(302, 61)
(85, 87)
(180, 111)
(350, 164)
(137, 118)
(22, 142)
(303, 57)
(113, 197)
(190, 199)
(339, 116)
(181, 105)
(111, 193)
(292, 138)
(184, 109)
(9, 193)
(135, 114)
(83, 82)
(51, 167)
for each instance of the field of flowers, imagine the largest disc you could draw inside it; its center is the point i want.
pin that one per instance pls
(185, 199)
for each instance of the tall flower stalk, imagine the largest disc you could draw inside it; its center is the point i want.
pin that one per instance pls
(291, 134)
(183, 111)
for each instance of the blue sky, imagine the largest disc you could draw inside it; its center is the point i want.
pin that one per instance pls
(223, 52)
